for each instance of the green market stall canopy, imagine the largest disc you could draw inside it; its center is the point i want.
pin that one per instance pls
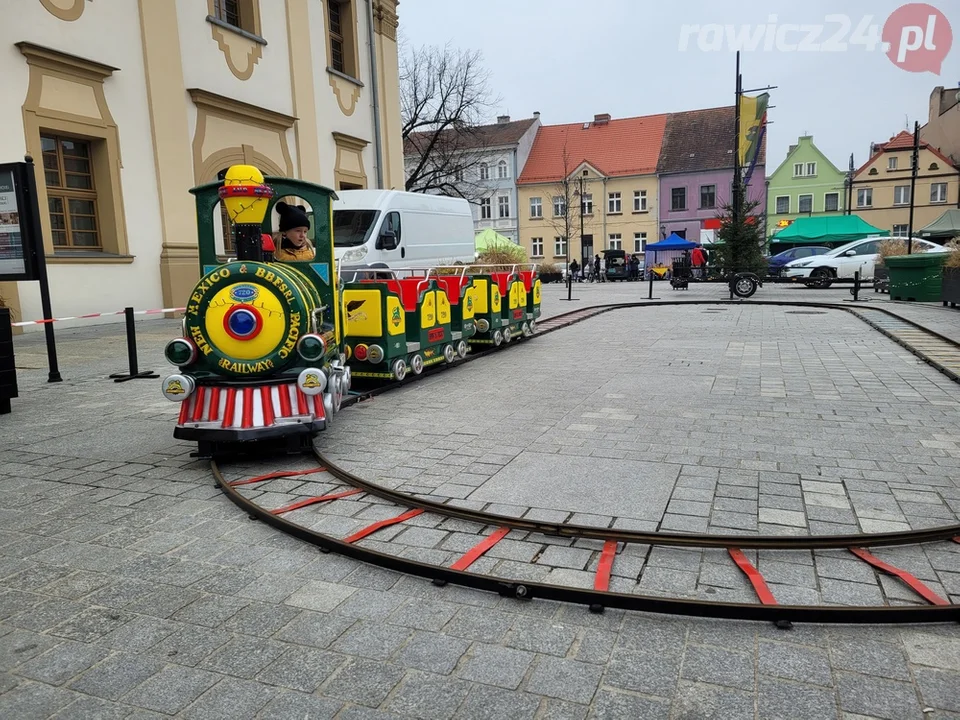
(946, 227)
(830, 229)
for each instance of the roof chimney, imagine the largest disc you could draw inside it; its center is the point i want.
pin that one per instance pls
(536, 114)
(503, 119)
(601, 119)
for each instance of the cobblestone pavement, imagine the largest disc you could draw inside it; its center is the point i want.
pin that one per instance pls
(129, 587)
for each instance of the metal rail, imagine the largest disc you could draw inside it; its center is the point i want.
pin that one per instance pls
(596, 599)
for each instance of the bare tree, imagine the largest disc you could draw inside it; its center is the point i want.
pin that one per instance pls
(568, 191)
(444, 98)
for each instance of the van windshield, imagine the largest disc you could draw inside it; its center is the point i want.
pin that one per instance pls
(352, 227)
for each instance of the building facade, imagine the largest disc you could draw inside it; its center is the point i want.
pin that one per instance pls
(942, 130)
(696, 172)
(483, 166)
(127, 104)
(881, 187)
(610, 167)
(805, 184)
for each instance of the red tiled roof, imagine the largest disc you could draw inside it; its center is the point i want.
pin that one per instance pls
(903, 140)
(616, 148)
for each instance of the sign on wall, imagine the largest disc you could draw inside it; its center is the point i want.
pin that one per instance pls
(16, 251)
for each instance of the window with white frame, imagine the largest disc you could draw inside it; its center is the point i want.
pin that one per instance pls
(586, 204)
(805, 203)
(639, 200)
(502, 169)
(938, 192)
(484, 171)
(536, 207)
(639, 242)
(892, 162)
(503, 204)
(831, 202)
(901, 195)
(783, 204)
(559, 206)
(798, 169)
(811, 169)
(485, 210)
(613, 202)
(458, 175)
(900, 230)
(559, 247)
(616, 243)
(865, 197)
(536, 247)
(708, 197)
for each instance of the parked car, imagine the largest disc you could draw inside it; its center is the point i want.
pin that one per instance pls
(821, 270)
(778, 261)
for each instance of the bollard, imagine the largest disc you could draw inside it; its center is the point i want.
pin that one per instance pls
(650, 294)
(134, 372)
(856, 286)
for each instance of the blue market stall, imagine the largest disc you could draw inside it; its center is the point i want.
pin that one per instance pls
(664, 253)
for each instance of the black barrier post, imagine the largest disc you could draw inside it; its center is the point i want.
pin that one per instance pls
(33, 219)
(135, 371)
(650, 294)
(856, 286)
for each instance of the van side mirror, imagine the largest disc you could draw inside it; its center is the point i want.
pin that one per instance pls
(387, 240)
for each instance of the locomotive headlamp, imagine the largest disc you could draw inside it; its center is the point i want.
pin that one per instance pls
(246, 198)
(312, 381)
(178, 388)
(312, 347)
(180, 352)
(374, 353)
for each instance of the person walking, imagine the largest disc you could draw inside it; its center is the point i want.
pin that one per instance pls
(699, 260)
(574, 270)
(598, 276)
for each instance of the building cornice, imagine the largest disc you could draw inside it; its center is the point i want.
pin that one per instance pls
(62, 62)
(221, 105)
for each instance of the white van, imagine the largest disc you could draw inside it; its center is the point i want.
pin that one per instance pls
(401, 229)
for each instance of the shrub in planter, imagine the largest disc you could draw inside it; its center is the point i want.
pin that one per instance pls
(950, 287)
(550, 272)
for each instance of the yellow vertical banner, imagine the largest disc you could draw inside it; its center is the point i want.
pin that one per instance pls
(753, 112)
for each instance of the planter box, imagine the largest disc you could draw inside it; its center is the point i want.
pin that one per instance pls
(950, 289)
(916, 277)
(8, 369)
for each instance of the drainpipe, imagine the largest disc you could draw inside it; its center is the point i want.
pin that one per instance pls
(375, 90)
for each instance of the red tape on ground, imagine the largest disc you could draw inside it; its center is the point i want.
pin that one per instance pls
(275, 475)
(359, 535)
(753, 575)
(601, 582)
(474, 553)
(314, 500)
(912, 582)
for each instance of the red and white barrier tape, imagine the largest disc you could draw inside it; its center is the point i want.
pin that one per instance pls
(96, 315)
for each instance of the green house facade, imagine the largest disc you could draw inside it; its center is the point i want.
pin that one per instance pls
(806, 184)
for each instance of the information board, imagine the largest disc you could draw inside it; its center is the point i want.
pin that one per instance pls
(16, 251)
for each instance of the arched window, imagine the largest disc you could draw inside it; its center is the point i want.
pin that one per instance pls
(502, 169)
(484, 172)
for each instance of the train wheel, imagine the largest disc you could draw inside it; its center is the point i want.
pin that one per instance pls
(462, 348)
(399, 369)
(449, 354)
(507, 334)
(533, 326)
(744, 287)
(497, 338)
(416, 364)
(527, 332)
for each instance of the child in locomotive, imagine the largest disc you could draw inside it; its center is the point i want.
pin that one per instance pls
(293, 244)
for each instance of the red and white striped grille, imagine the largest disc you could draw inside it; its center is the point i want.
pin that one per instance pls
(249, 407)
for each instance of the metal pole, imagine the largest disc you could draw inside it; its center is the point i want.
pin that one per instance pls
(33, 215)
(650, 296)
(134, 369)
(914, 166)
(736, 147)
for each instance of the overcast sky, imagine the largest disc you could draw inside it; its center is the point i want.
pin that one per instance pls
(571, 59)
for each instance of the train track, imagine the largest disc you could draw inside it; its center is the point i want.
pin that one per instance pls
(338, 511)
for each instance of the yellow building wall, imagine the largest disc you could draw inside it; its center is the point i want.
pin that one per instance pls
(601, 223)
(884, 214)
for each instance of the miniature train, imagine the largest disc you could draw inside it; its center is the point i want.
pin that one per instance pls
(269, 349)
